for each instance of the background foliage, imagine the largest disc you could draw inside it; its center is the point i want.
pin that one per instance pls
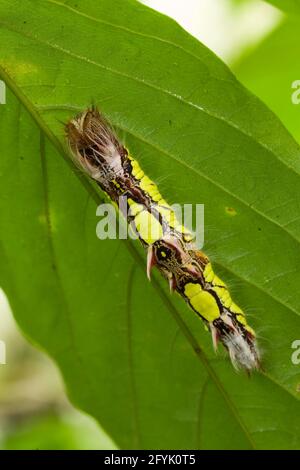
(132, 356)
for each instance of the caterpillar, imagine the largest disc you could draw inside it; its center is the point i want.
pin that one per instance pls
(170, 246)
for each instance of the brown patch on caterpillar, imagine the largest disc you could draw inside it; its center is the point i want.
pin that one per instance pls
(200, 258)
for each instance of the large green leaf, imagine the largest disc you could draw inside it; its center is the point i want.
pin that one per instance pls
(131, 355)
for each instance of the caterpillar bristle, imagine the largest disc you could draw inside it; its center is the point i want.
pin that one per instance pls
(240, 344)
(93, 143)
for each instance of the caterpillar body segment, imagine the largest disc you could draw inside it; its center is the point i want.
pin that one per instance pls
(96, 149)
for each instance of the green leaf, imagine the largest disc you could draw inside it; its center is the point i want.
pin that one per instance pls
(290, 6)
(132, 356)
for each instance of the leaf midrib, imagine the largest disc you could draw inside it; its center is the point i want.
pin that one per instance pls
(136, 424)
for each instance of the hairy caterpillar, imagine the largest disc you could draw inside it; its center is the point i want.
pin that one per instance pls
(97, 150)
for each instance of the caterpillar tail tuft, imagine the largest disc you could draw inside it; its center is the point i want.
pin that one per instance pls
(170, 248)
